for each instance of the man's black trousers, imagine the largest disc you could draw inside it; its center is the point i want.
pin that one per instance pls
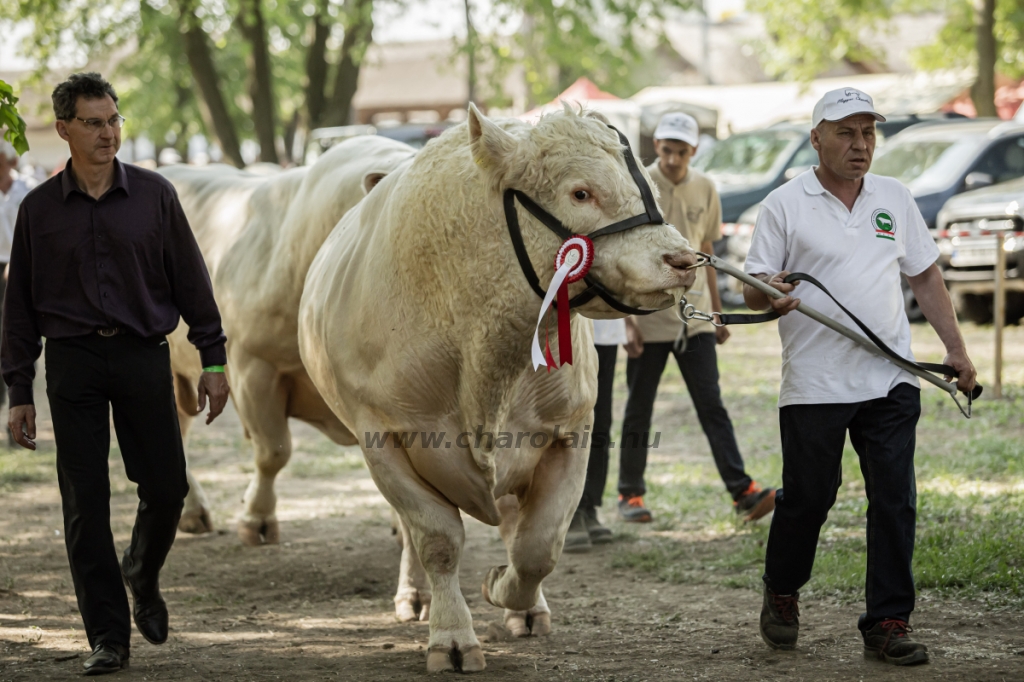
(597, 465)
(699, 366)
(86, 376)
(883, 433)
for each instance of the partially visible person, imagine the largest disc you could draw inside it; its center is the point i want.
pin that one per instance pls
(689, 201)
(103, 265)
(13, 188)
(856, 233)
(586, 529)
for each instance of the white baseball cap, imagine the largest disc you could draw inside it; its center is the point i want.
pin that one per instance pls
(678, 126)
(836, 105)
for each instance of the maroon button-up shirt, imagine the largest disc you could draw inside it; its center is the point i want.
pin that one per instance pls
(78, 264)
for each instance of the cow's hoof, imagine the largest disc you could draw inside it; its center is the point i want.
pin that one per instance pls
(196, 521)
(412, 608)
(451, 659)
(256, 533)
(525, 624)
(489, 579)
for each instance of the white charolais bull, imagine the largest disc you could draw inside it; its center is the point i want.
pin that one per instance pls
(258, 235)
(416, 317)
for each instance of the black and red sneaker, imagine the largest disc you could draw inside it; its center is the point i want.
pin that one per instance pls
(632, 509)
(889, 641)
(755, 502)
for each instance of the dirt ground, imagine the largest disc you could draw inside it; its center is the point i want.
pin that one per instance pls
(318, 606)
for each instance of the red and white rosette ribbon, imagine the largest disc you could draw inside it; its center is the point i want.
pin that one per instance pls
(572, 263)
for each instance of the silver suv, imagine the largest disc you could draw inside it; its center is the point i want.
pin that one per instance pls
(964, 233)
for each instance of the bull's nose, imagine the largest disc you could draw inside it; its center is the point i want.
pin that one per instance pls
(682, 260)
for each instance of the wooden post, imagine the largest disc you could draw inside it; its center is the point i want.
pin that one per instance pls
(999, 311)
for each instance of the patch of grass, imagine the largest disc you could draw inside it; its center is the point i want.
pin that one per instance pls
(325, 466)
(970, 477)
(19, 466)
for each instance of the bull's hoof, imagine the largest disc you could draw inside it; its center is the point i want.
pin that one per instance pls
(489, 579)
(526, 624)
(452, 659)
(257, 533)
(414, 608)
(197, 521)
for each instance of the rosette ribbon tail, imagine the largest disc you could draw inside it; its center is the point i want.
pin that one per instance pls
(556, 284)
(564, 329)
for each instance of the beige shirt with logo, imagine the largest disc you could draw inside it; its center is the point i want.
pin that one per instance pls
(694, 209)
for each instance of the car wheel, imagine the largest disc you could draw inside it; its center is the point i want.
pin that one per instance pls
(976, 307)
(914, 313)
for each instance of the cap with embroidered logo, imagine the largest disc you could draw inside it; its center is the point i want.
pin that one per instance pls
(836, 105)
(678, 126)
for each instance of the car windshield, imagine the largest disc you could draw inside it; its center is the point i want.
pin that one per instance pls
(749, 158)
(927, 164)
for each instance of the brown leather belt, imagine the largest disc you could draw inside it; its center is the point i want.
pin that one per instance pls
(110, 331)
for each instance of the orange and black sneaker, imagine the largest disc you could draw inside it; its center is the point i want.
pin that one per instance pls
(755, 502)
(632, 509)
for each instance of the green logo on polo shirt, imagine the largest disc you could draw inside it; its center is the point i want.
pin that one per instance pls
(885, 226)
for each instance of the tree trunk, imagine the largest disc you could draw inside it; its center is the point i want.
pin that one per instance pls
(983, 91)
(470, 52)
(316, 68)
(346, 77)
(212, 104)
(261, 85)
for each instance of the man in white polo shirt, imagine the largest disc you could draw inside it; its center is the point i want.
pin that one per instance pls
(856, 233)
(689, 201)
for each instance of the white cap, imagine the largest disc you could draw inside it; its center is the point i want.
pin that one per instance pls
(836, 105)
(678, 126)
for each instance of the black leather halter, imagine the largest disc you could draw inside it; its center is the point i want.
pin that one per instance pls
(651, 216)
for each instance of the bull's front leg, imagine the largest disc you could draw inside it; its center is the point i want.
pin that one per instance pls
(533, 528)
(195, 516)
(436, 533)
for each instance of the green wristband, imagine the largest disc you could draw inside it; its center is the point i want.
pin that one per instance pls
(214, 368)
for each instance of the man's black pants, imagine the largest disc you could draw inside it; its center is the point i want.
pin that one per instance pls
(597, 465)
(85, 377)
(699, 366)
(883, 433)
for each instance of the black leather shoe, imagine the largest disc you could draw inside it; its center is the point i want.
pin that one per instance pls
(148, 610)
(106, 658)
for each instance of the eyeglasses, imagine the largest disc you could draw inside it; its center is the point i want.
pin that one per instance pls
(97, 124)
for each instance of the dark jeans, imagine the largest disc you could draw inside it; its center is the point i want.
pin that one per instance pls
(597, 466)
(883, 433)
(85, 377)
(699, 366)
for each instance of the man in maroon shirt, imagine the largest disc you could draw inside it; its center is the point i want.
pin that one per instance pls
(102, 266)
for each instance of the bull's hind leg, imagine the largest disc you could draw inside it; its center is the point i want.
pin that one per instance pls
(261, 398)
(436, 533)
(195, 517)
(534, 531)
(412, 601)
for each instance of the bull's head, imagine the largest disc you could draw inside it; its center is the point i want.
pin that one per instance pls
(574, 166)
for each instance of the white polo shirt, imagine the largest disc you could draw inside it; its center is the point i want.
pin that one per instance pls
(858, 256)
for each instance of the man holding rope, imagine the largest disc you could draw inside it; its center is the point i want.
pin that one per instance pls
(856, 233)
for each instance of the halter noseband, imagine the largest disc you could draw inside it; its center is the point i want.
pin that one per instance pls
(650, 216)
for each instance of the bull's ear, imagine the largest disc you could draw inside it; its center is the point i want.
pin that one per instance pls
(491, 145)
(371, 179)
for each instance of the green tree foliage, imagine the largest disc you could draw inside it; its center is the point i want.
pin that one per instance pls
(956, 46)
(11, 120)
(558, 41)
(808, 37)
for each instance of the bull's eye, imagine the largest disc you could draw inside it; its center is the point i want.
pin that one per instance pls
(581, 195)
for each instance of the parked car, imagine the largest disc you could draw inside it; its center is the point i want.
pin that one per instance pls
(413, 134)
(939, 160)
(967, 243)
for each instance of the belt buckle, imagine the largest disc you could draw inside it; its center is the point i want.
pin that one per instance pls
(108, 332)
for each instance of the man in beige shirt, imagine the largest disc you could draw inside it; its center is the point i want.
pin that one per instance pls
(689, 201)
